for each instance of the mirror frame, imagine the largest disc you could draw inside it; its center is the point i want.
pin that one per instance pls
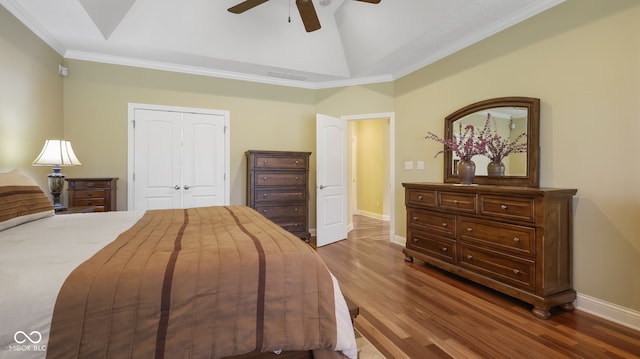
(531, 179)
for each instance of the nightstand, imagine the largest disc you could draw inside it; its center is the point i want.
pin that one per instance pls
(99, 193)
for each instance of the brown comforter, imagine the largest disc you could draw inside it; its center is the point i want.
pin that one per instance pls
(196, 283)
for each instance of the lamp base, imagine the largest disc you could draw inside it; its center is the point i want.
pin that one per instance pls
(56, 186)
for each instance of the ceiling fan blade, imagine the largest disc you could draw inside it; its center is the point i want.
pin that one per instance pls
(308, 15)
(245, 5)
(370, 1)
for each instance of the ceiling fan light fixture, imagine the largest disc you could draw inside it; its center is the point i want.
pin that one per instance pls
(325, 2)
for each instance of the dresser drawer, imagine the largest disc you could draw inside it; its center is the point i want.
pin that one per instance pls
(279, 179)
(291, 162)
(284, 210)
(89, 194)
(441, 223)
(81, 185)
(436, 247)
(271, 195)
(502, 267)
(507, 207)
(81, 202)
(461, 202)
(298, 225)
(519, 240)
(421, 198)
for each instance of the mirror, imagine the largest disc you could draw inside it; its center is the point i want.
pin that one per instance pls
(510, 117)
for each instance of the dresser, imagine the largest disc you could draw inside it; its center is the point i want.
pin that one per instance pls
(99, 193)
(277, 187)
(516, 240)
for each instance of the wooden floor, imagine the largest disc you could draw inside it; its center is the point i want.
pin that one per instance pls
(410, 310)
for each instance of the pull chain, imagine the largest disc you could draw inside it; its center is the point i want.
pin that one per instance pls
(289, 10)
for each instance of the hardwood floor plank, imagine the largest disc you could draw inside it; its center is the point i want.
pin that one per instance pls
(412, 310)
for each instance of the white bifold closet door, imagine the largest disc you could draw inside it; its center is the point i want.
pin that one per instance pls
(179, 159)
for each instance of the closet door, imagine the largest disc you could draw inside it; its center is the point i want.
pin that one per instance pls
(203, 167)
(179, 159)
(158, 160)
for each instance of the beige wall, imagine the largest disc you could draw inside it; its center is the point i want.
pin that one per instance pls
(262, 117)
(371, 166)
(30, 97)
(582, 59)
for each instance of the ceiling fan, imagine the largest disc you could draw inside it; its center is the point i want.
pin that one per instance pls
(305, 8)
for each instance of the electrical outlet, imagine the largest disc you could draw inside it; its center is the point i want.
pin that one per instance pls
(420, 165)
(408, 165)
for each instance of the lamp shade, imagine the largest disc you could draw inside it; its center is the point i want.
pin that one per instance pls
(57, 153)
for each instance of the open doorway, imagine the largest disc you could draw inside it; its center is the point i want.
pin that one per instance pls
(370, 171)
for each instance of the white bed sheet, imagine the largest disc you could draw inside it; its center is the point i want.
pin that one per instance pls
(36, 258)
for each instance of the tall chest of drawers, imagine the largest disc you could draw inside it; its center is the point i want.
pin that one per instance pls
(277, 187)
(516, 240)
(96, 192)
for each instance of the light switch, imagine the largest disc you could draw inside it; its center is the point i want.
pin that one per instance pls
(420, 165)
(408, 165)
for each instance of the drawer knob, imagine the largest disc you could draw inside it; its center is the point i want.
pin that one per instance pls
(264, 178)
(469, 257)
(469, 229)
(295, 225)
(295, 210)
(264, 195)
(516, 240)
(420, 197)
(415, 219)
(296, 161)
(415, 240)
(264, 211)
(444, 249)
(297, 178)
(444, 224)
(455, 201)
(504, 206)
(90, 184)
(265, 162)
(515, 271)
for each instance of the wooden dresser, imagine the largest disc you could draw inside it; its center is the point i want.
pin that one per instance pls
(516, 240)
(277, 187)
(96, 192)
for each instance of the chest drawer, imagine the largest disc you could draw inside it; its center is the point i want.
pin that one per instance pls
(291, 162)
(513, 270)
(441, 248)
(285, 210)
(507, 207)
(89, 194)
(519, 240)
(422, 198)
(271, 195)
(441, 223)
(264, 178)
(460, 202)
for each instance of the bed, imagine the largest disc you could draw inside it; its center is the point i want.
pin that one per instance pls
(214, 282)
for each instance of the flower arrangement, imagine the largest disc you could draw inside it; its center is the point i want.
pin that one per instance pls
(465, 145)
(497, 148)
(488, 142)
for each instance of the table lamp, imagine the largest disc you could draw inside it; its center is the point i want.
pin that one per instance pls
(56, 153)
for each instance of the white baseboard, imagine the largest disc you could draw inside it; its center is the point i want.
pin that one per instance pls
(613, 312)
(379, 216)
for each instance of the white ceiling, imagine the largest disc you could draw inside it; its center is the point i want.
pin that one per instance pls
(358, 43)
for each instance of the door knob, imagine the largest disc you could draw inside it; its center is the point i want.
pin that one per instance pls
(322, 187)
(176, 187)
(186, 187)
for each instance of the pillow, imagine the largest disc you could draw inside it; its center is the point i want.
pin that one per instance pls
(21, 200)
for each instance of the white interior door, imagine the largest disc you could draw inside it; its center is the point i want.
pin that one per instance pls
(179, 159)
(331, 179)
(203, 168)
(158, 160)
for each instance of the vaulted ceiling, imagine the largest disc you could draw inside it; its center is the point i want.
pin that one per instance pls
(357, 43)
